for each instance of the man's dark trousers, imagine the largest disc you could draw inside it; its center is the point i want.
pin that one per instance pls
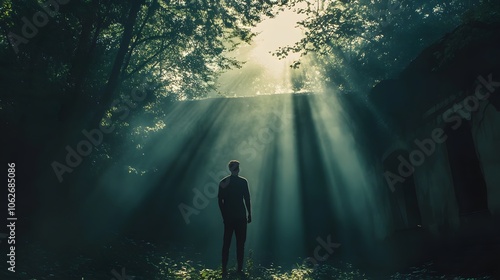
(239, 227)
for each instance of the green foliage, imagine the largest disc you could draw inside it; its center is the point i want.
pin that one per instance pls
(178, 45)
(145, 260)
(425, 271)
(487, 13)
(5, 11)
(62, 74)
(359, 43)
(343, 271)
(480, 17)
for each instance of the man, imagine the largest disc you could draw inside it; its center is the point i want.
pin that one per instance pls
(233, 190)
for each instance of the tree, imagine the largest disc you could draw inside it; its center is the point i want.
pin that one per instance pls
(90, 53)
(361, 42)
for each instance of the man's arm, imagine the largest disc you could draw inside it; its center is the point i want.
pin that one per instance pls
(221, 207)
(221, 201)
(246, 196)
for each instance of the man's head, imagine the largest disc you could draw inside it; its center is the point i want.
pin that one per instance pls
(234, 167)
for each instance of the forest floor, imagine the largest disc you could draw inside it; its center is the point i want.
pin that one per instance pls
(127, 259)
(472, 254)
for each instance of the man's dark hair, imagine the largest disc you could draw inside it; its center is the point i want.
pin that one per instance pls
(234, 165)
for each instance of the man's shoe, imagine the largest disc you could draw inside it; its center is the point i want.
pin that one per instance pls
(241, 274)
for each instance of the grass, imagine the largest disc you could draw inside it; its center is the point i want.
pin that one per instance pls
(146, 261)
(172, 269)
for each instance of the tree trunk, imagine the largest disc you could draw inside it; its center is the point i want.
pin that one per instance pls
(114, 77)
(79, 68)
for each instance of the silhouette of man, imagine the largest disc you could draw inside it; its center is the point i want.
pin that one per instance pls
(233, 190)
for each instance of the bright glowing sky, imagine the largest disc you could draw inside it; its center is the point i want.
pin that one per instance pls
(263, 73)
(274, 33)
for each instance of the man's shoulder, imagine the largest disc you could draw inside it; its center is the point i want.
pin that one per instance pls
(225, 178)
(243, 178)
(224, 182)
(243, 181)
(228, 177)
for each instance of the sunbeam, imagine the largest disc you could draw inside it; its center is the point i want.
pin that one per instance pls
(263, 73)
